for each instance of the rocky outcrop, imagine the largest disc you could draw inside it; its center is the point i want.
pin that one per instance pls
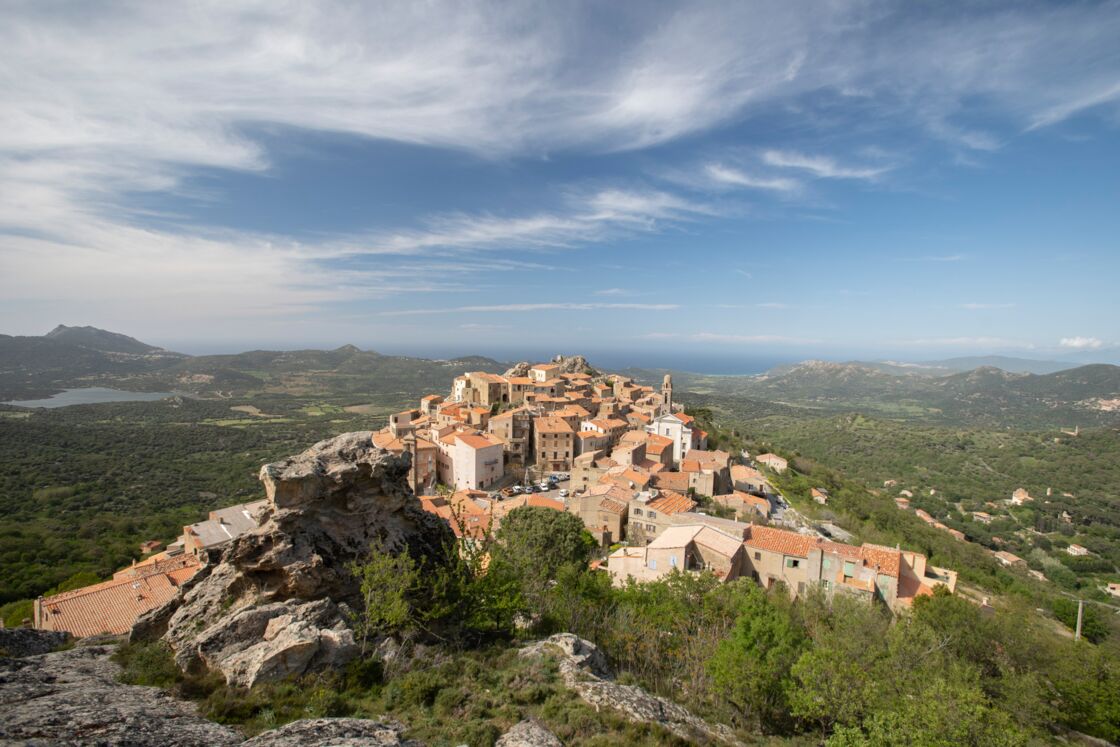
(528, 733)
(336, 732)
(277, 601)
(17, 642)
(567, 364)
(584, 669)
(73, 697)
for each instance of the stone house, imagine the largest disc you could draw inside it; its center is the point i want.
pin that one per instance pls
(651, 512)
(554, 444)
(515, 429)
(774, 462)
(688, 549)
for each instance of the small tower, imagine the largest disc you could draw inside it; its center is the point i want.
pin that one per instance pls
(667, 395)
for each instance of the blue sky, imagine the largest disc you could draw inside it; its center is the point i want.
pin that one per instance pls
(727, 181)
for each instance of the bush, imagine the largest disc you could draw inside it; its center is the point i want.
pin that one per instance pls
(149, 664)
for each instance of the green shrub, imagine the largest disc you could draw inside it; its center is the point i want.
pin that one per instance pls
(147, 664)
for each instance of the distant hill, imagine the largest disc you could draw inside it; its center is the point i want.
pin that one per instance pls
(1005, 363)
(32, 367)
(100, 339)
(985, 396)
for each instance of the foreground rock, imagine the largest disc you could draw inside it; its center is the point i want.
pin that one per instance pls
(276, 604)
(335, 732)
(528, 734)
(585, 670)
(73, 697)
(17, 642)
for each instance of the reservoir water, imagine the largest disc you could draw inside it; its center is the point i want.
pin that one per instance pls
(91, 396)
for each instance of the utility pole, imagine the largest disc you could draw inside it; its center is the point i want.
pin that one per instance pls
(1080, 609)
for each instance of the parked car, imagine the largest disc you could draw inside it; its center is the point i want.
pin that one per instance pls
(564, 493)
(517, 490)
(544, 485)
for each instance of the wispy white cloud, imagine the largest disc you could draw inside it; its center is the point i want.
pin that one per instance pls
(614, 292)
(103, 104)
(823, 167)
(744, 273)
(1081, 343)
(728, 175)
(772, 305)
(517, 308)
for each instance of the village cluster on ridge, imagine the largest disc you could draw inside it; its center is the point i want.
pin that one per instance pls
(624, 457)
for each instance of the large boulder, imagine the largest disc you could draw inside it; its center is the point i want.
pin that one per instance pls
(528, 733)
(73, 697)
(276, 602)
(584, 670)
(18, 642)
(335, 732)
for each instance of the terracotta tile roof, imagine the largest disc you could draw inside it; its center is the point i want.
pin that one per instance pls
(671, 481)
(887, 558)
(552, 425)
(113, 606)
(522, 380)
(478, 441)
(430, 397)
(615, 507)
(668, 502)
(780, 541)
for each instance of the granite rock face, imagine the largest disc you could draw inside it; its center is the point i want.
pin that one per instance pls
(528, 733)
(584, 670)
(73, 697)
(276, 602)
(335, 732)
(566, 363)
(18, 642)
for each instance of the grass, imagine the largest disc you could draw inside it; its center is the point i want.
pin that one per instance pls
(470, 697)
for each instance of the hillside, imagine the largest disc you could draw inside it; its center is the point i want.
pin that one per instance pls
(67, 357)
(986, 396)
(100, 339)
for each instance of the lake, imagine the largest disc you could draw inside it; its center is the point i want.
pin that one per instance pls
(91, 396)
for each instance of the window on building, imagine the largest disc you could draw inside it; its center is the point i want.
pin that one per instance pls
(758, 556)
(793, 563)
(673, 561)
(849, 568)
(637, 512)
(651, 514)
(827, 585)
(651, 527)
(826, 564)
(653, 564)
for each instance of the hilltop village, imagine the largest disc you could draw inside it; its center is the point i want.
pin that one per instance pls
(623, 457)
(636, 469)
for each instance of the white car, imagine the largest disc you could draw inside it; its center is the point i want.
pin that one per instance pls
(518, 489)
(564, 493)
(544, 485)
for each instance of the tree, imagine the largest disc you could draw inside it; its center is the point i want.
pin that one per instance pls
(751, 665)
(533, 543)
(386, 582)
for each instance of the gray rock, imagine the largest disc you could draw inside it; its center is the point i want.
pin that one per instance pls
(584, 670)
(335, 732)
(18, 642)
(276, 603)
(73, 697)
(528, 733)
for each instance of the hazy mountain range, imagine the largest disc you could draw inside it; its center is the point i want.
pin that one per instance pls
(988, 390)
